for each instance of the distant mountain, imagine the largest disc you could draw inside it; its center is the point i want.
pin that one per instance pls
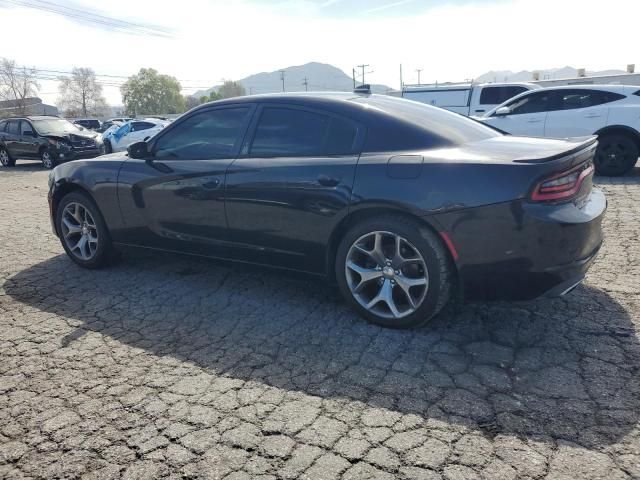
(319, 77)
(549, 74)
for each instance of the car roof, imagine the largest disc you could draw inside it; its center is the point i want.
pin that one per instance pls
(605, 87)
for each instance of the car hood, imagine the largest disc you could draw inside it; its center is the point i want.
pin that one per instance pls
(72, 137)
(512, 149)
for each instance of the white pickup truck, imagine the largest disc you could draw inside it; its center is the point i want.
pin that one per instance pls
(466, 98)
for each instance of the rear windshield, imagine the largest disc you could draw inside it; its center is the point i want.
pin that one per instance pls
(454, 128)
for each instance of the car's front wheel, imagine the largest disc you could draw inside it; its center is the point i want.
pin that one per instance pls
(107, 147)
(5, 158)
(47, 158)
(394, 271)
(83, 232)
(616, 155)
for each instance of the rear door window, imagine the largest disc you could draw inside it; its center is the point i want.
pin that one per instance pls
(290, 132)
(283, 131)
(138, 126)
(583, 98)
(13, 127)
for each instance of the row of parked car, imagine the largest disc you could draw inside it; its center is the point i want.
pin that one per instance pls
(610, 112)
(55, 140)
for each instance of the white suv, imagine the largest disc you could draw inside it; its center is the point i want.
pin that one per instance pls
(612, 112)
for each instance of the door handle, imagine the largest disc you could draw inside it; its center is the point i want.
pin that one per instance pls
(479, 111)
(327, 181)
(534, 120)
(593, 115)
(212, 184)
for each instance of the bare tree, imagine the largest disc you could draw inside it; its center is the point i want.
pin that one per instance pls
(81, 94)
(17, 84)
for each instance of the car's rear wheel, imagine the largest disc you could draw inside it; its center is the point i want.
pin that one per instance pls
(5, 158)
(393, 271)
(47, 158)
(83, 232)
(616, 155)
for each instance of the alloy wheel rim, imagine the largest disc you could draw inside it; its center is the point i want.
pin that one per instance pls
(386, 274)
(46, 159)
(4, 157)
(79, 231)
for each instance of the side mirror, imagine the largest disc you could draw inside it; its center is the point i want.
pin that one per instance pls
(138, 150)
(502, 111)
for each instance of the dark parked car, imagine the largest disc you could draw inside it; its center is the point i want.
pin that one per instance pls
(89, 123)
(402, 204)
(51, 139)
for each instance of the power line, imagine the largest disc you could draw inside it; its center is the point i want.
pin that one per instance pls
(86, 16)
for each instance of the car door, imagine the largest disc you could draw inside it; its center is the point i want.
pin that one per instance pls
(527, 115)
(29, 144)
(174, 199)
(291, 185)
(578, 112)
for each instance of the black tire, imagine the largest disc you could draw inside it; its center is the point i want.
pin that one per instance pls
(5, 158)
(107, 147)
(616, 154)
(48, 159)
(436, 259)
(104, 253)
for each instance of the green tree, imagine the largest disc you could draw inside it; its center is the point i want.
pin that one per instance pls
(231, 89)
(151, 93)
(213, 96)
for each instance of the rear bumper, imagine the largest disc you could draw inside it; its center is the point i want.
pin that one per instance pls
(521, 251)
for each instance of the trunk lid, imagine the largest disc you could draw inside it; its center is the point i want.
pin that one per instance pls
(513, 149)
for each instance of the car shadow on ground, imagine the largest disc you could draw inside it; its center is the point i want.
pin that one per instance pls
(632, 177)
(22, 166)
(550, 369)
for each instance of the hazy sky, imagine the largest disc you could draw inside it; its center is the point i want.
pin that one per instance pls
(202, 41)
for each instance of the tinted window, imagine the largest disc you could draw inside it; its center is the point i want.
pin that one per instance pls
(3, 125)
(533, 103)
(25, 127)
(498, 95)
(342, 136)
(208, 134)
(137, 126)
(572, 99)
(13, 127)
(283, 131)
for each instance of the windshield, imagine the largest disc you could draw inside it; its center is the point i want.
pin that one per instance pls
(453, 127)
(54, 125)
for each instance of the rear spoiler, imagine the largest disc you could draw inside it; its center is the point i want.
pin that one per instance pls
(581, 143)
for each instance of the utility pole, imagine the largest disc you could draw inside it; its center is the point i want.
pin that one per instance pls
(353, 73)
(306, 84)
(282, 78)
(363, 67)
(418, 70)
(401, 82)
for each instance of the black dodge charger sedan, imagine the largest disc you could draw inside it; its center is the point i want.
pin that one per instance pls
(400, 203)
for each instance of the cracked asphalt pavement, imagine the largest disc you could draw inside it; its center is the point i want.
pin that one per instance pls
(173, 367)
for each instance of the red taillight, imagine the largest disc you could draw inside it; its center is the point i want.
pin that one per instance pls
(563, 185)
